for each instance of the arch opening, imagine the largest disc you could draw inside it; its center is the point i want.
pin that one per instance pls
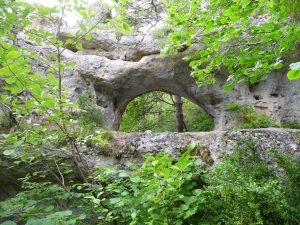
(158, 111)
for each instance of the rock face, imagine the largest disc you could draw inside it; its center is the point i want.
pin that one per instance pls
(211, 146)
(132, 148)
(116, 69)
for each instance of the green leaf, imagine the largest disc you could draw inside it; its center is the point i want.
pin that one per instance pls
(295, 66)
(83, 28)
(9, 152)
(69, 41)
(293, 74)
(11, 36)
(63, 213)
(10, 80)
(13, 89)
(126, 26)
(82, 216)
(71, 64)
(228, 87)
(278, 65)
(88, 37)
(38, 40)
(13, 54)
(123, 174)
(78, 46)
(114, 200)
(84, 14)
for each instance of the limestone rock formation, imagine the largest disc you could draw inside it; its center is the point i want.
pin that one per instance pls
(212, 146)
(116, 69)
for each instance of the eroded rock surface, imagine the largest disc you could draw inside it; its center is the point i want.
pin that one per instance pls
(127, 148)
(117, 69)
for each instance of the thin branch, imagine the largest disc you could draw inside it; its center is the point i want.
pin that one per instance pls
(60, 173)
(6, 106)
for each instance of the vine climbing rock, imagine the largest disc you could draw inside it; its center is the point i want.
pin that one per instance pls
(116, 69)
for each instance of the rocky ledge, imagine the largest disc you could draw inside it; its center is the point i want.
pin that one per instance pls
(125, 148)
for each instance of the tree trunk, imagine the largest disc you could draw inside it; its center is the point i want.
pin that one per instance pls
(179, 113)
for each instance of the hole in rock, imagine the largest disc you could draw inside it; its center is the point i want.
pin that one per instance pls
(257, 97)
(159, 111)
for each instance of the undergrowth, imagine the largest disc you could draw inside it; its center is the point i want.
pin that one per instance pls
(6, 121)
(243, 189)
(249, 118)
(90, 116)
(290, 124)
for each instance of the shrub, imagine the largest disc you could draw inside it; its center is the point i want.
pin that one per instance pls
(154, 193)
(249, 118)
(90, 116)
(41, 203)
(291, 180)
(243, 189)
(290, 124)
(201, 122)
(6, 121)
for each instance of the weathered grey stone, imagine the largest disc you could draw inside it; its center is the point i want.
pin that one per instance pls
(119, 69)
(116, 69)
(217, 143)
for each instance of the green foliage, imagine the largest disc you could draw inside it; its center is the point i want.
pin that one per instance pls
(148, 112)
(164, 190)
(5, 121)
(243, 189)
(90, 116)
(290, 124)
(291, 179)
(247, 38)
(243, 40)
(153, 193)
(195, 118)
(160, 33)
(155, 111)
(249, 118)
(38, 101)
(42, 203)
(294, 72)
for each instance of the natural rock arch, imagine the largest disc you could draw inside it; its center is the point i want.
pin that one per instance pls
(152, 73)
(116, 70)
(115, 87)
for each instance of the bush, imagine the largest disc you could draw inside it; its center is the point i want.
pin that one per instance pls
(291, 179)
(6, 121)
(90, 116)
(243, 189)
(249, 118)
(290, 124)
(201, 122)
